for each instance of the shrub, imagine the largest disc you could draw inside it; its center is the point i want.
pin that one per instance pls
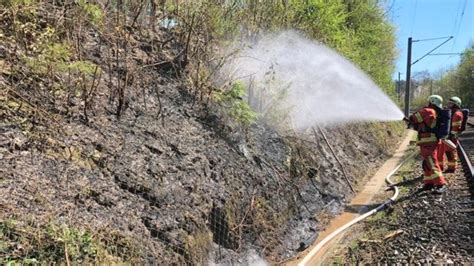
(237, 107)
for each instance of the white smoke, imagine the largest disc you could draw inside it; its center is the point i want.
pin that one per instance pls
(250, 258)
(310, 83)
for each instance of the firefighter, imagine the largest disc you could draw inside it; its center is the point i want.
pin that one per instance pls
(424, 121)
(454, 104)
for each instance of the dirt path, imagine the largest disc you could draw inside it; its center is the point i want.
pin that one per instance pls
(359, 204)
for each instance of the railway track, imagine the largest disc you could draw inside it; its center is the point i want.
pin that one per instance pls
(457, 206)
(438, 229)
(466, 154)
(466, 150)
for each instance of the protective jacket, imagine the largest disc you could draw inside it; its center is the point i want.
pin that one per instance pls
(446, 151)
(424, 120)
(456, 123)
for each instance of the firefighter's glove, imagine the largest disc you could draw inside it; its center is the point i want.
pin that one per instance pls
(407, 120)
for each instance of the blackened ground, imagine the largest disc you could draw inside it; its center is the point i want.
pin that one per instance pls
(176, 187)
(170, 180)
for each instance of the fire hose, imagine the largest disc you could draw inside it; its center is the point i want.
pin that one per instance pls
(391, 185)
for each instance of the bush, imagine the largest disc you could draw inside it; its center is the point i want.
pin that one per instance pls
(23, 243)
(234, 102)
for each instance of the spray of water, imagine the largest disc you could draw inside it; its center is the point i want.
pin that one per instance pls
(305, 83)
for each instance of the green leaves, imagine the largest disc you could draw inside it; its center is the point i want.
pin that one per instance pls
(242, 112)
(459, 81)
(93, 12)
(57, 57)
(17, 3)
(237, 107)
(465, 74)
(82, 66)
(30, 243)
(356, 29)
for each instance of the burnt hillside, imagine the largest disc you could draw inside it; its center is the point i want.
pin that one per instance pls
(113, 151)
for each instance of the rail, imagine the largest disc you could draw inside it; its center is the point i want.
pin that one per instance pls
(468, 170)
(465, 158)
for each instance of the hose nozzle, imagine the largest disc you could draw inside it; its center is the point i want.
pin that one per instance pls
(407, 120)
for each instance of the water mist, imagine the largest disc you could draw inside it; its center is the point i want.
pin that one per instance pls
(296, 81)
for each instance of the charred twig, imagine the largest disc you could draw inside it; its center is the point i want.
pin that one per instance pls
(188, 40)
(157, 64)
(88, 95)
(137, 14)
(163, 43)
(39, 110)
(291, 183)
(160, 106)
(241, 224)
(335, 156)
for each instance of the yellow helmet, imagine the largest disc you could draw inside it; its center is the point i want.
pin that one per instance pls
(436, 100)
(455, 100)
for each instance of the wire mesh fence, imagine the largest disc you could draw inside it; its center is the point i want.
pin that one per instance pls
(111, 153)
(78, 216)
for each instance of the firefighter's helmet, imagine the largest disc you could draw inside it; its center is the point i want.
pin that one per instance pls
(455, 100)
(436, 100)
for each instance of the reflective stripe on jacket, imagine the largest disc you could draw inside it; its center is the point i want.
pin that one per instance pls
(425, 119)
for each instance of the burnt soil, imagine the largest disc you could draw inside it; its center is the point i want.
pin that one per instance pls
(171, 179)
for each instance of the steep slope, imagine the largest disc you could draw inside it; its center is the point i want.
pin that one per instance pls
(109, 153)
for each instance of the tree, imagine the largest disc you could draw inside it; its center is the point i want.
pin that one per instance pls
(459, 81)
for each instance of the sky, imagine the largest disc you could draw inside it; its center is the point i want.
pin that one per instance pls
(426, 19)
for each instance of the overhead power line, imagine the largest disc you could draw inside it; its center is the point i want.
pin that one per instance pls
(413, 19)
(447, 54)
(456, 16)
(428, 53)
(432, 39)
(409, 64)
(390, 8)
(459, 24)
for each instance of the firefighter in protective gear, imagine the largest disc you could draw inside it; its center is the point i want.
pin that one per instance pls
(454, 104)
(423, 121)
